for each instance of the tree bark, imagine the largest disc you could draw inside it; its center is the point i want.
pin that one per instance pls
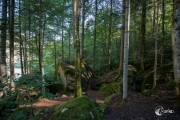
(83, 19)
(41, 46)
(176, 43)
(163, 32)
(3, 69)
(156, 42)
(76, 11)
(109, 38)
(126, 50)
(20, 39)
(11, 31)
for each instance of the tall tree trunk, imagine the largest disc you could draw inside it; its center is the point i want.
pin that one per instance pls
(156, 42)
(11, 31)
(126, 50)
(94, 46)
(109, 38)
(122, 39)
(25, 52)
(29, 37)
(162, 51)
(83, 18)
(76, 11)
(3, 28)
(20, 39)
(41, 46)
(143, 34)
(176, 43)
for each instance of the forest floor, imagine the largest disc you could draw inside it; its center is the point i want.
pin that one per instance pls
(137, 107)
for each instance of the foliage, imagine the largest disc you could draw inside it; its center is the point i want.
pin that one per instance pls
(28, 91)
(21, 114)
(164, 73)
(137, 76)
(8, 103)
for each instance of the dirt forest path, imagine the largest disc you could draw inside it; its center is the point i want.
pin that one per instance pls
(138, 107)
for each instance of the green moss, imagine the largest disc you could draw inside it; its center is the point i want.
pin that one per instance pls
(108, 89)
(81, 108)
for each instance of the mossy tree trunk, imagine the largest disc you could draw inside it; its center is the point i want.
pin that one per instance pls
(176, 43)
(76, 11)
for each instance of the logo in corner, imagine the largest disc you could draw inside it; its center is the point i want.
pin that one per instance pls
(159, 110)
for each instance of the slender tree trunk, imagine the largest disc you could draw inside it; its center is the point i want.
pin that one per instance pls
(143, 34)
(135, 32)
(83, 18)
(76, 11)
(41, 45)
(163, 32)
(62, 39)
(176, 43)
(3, 28)
(94, 48)
(25, 52)
(11, 31)
(122, 39)
(55, 54)
(29, 36)
(126, 50)
(20, 39)
(69, 45)
(156, 42)
(109, 38)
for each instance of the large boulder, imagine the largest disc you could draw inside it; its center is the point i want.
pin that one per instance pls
(66, 72)
(81, 108)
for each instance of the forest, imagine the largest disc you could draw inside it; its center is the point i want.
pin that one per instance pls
(89, 59)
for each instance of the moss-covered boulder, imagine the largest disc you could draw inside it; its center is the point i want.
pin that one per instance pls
(108, 89)
(66, 72)
(81, 108)
(164, 74)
